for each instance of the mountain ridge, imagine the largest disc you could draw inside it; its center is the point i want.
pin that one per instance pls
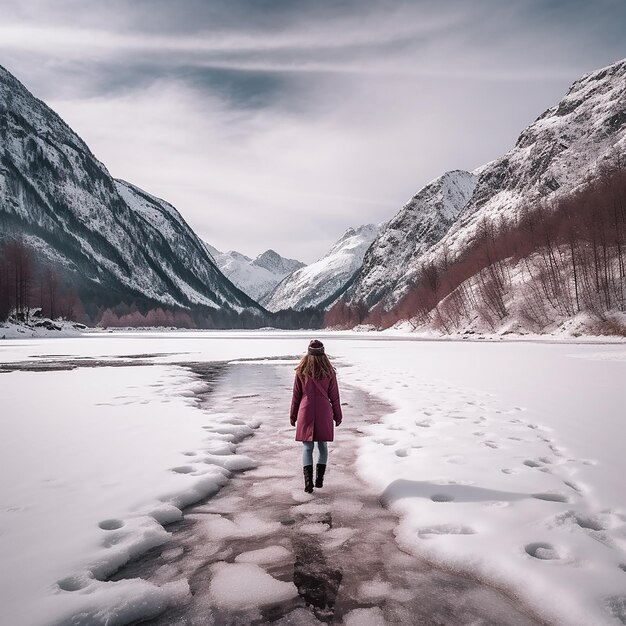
(569, 150)
(311, 285)
(258, 276)
(99, 232)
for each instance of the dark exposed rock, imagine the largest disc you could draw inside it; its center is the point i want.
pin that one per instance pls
(48, 325)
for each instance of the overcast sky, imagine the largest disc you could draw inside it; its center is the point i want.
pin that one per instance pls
(279, 124)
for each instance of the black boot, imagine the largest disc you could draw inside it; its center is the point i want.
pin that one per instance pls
(308, 478)
(319, 475)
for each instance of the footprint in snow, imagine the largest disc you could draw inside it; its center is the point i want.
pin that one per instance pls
(573, 486)
(442, 497)
(183, 469)
(531, 463)
(542, 551)
(587, 522)
(111, 524)
(550, 497)
(555, 449)
(386, 441)
(490, 444)
(71, 583)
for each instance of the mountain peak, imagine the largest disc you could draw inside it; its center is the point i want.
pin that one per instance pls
(315, 284)
(277, 264)
(419, 224)
(254, 277)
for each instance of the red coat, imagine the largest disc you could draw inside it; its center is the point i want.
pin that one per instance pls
(314, 406)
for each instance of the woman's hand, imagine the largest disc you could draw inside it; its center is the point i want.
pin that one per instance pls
(293, 422)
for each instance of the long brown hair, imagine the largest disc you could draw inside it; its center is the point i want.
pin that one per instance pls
(315, 366)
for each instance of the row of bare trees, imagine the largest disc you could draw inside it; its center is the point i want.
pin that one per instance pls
(551, 260)
(26, 283)
(131, 316)
(151, 318)
(567, 257)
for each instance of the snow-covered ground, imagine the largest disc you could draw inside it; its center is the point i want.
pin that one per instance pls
(41, 328)
(504, 460)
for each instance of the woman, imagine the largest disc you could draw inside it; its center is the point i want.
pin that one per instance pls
(314, 406)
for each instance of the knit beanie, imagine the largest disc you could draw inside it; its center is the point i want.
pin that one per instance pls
(316, 348)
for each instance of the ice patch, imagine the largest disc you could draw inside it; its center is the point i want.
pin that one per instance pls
(336, 537)
(264, 556)
(232, 462)
(240, 586)
(166, 514)
(374, 590)
(365, 617)
(242, 525)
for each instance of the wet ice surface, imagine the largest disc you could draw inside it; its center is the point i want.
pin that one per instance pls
(263, 551)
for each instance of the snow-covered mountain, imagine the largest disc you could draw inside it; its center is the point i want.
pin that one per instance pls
(273, 262)
(321, 282)
(419, 224)
(109, 238)
(256, 277)
(554, 156)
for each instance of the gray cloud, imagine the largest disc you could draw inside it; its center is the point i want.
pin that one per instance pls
(280, 124)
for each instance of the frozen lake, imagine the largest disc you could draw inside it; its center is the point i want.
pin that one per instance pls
(504, 461)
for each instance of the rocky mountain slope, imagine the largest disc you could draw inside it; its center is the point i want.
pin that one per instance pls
(556, 154)
(321, 282)
(112, 240)
(421, 222)
(564, 149)
(256, 277)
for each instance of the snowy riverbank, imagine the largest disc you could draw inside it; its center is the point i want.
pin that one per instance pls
(41, 328)
(504, 459)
